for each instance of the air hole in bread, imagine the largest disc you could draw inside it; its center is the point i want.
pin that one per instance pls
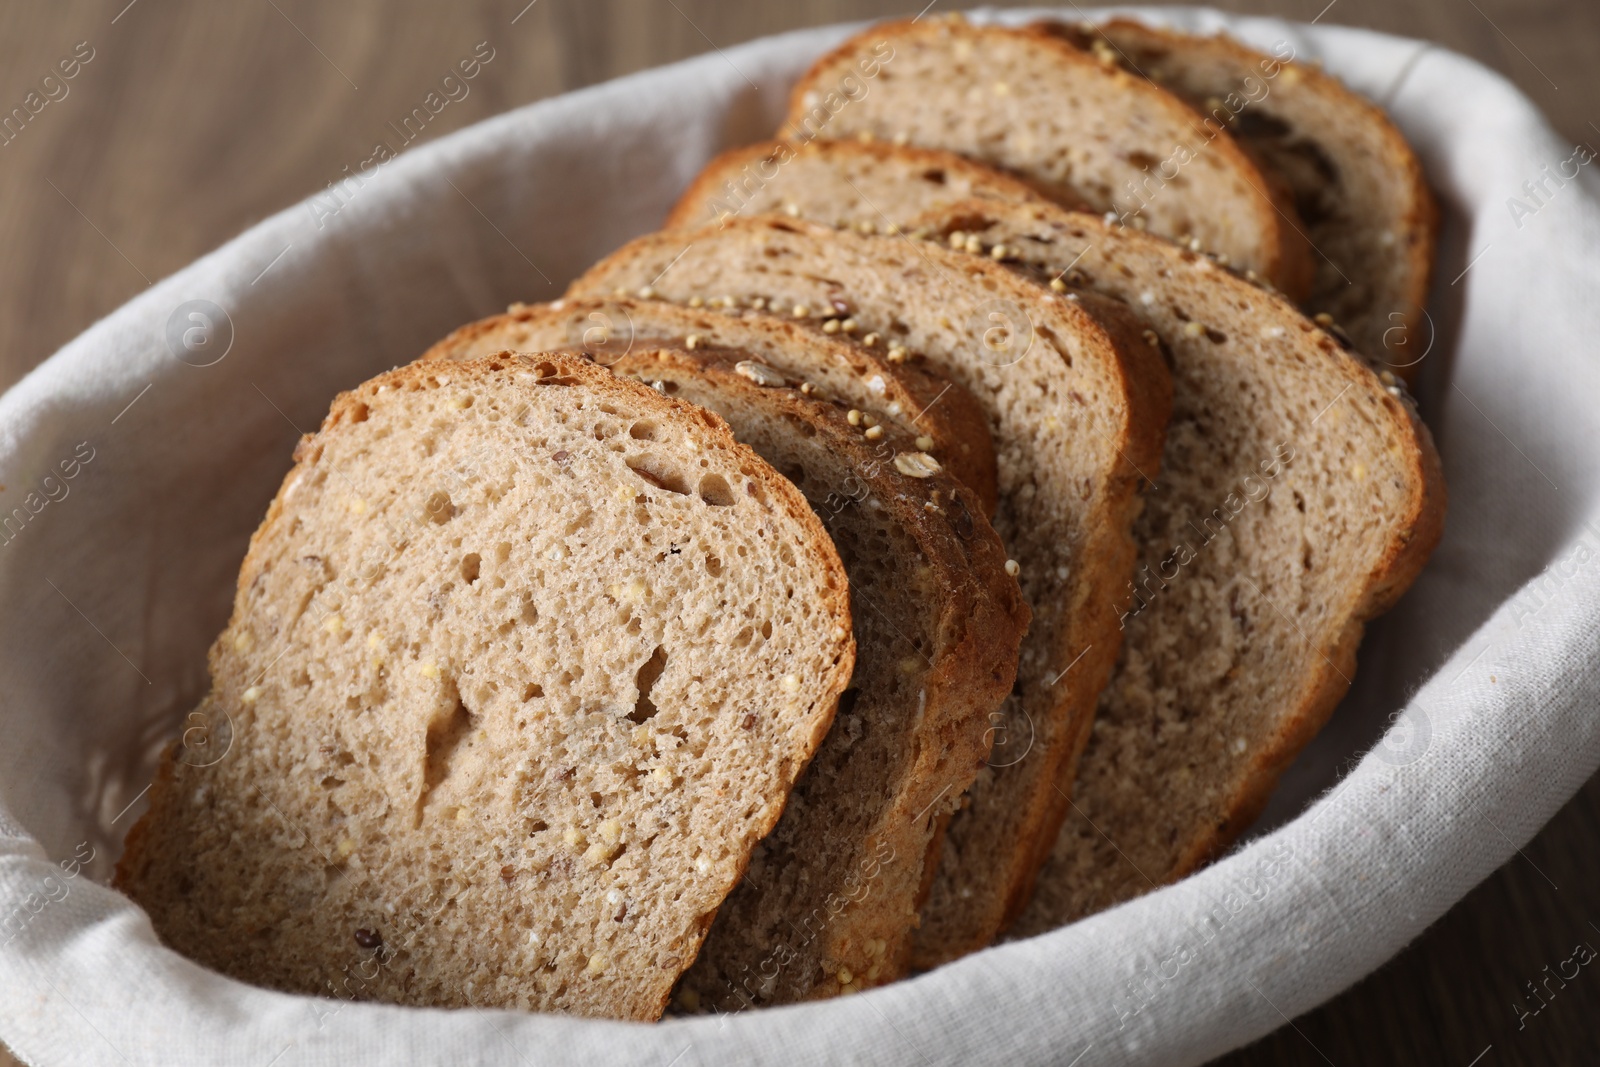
(659, 474)
(439, 509)
(714, 490)
(532, 690)
(935, 175)
(645, 680)
(643, 430)
(450, 729)
(358, 412)
(471, 566)
(714, 565)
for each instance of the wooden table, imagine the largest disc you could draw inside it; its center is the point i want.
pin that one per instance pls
(193, 120)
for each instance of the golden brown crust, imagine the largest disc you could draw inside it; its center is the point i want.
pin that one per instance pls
(1285, 257)
(951, 416)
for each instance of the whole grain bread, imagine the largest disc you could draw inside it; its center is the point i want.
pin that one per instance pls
(1076, 402)
(900, 394)
(1357, 185)
(830, 900)
(863, 186)
(1299, 496)
(1029, 102)
(524, 661)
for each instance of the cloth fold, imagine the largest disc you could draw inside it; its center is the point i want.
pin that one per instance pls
(1470, 723)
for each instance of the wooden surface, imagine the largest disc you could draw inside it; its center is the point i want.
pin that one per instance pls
(194, 119)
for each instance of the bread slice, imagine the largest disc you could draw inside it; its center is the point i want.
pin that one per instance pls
(1028, 102)
(1356, 183)
(1299, 496)
(900, 394)
(855, 185)
(830, 901)
(524, 661)
(1076, 404)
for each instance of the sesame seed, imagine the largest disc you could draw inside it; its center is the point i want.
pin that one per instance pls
(973, 244)
(249, 696)
(831, 326)
(1322, 318)
(925, 443)
(1058, 285)
(874, 432)
(759, 303)
(1013, 568)
(647, 293)
(697, 302)
(916, 465)
(759, 373)
(999, 252)
(792, 210)
(870, 339)
(958, 240)
(791, 683)
(692, 342)
(801, 311)
(848, 326)
(1193, 329)
(853, 417)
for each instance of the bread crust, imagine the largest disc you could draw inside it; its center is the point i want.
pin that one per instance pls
(1283, 255)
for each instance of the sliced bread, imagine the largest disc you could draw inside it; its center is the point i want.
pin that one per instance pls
(1356, 183)
(1299, 496)
(1076, 403)
(830, 901)
(851, 184)
(524, 661)
(872, 378)
(1032, 104)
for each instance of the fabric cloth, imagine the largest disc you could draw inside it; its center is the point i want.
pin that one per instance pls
(115, 577)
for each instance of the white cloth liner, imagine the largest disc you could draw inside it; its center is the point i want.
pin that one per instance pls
(113, 591)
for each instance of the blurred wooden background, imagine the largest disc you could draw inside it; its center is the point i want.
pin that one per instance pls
(193, 120)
